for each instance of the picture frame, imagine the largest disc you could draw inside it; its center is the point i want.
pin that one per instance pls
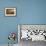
(37, 29)
(10, 11)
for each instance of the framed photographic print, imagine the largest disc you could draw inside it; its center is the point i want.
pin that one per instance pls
(32, 32)
(10, 11)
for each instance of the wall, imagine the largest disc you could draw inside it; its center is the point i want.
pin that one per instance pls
(28, 12)
(33, 12)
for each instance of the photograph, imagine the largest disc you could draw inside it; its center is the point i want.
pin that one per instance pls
(30, 33)
(10, 11)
